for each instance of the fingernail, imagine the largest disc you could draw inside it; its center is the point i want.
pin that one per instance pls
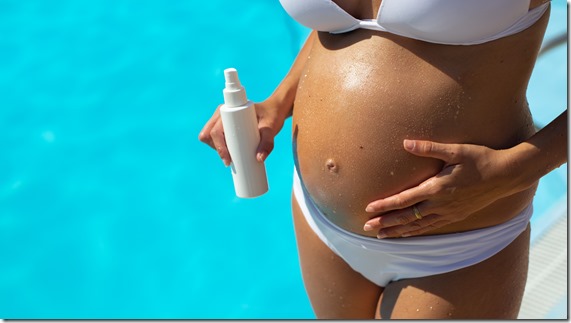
(370, 209)
(404, 235)
(409, 144)
(381, 235)
(368, 227)
(226, 163)
(261, 157)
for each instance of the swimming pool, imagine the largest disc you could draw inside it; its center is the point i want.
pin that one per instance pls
(547, 95)
(109, 206)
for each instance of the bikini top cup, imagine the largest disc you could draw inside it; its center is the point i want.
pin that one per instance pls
(452, 22)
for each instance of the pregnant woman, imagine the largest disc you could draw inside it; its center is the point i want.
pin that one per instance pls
(415, 152)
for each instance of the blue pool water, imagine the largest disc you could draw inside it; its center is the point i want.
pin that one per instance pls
(109, 205)
(547, 95)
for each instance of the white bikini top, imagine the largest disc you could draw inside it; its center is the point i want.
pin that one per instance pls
(452, 22)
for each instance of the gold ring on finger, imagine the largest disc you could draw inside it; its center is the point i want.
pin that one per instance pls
(416, 212)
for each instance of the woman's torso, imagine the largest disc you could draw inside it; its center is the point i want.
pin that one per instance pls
(363, 92)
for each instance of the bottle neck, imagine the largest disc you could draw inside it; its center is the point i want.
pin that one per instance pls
(235, 98)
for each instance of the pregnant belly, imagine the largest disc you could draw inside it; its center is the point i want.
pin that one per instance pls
(354, 107)
(349, 156)
(348, 139)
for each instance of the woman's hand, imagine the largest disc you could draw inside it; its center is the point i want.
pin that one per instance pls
(270, 122)
(472, 178)
(271, 113)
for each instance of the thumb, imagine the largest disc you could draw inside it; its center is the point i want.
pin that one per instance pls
(450, 153)
(266, 144)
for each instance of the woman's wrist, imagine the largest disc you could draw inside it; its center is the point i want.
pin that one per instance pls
(521, 170)
(540, 154)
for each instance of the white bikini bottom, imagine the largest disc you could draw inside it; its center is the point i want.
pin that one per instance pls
(384, 260)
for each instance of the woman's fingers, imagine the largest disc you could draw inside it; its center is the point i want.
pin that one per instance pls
(404, 223)
(204, 135)
(212, 134)
(266, 144)
(449, 153)
(405, 198)
(399, 217)
(417, 227)
(219, 142)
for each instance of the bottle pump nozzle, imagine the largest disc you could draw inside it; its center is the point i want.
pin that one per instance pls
(234, 92)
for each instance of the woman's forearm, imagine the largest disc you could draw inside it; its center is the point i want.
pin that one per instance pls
(285, 93)
(543, 152)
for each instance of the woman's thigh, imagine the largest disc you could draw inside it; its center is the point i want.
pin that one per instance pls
(335, 290)
(492, 289)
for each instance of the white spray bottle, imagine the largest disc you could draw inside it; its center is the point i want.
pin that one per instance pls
(242, 138)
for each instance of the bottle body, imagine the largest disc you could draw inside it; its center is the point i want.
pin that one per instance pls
(242, 138)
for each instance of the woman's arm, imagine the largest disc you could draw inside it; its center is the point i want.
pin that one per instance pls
(284, 95)
(542, 153)
(473, 177)
(271, 113)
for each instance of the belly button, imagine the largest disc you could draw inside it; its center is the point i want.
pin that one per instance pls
(332, 166)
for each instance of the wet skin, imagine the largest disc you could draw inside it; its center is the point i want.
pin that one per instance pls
(361, 93)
